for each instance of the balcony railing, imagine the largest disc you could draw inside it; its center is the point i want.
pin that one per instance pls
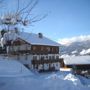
(42, 61)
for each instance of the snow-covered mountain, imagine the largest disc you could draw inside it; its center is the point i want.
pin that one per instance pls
(76, 47)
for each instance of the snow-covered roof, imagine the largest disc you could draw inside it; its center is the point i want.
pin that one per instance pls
(34, 39)
(31, 38)
(76, 60)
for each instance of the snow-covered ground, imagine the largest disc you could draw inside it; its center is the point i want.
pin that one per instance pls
(13, 79)
(12, 68)
(52, 81)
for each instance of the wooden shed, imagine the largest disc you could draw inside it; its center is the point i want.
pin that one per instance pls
(78, 64)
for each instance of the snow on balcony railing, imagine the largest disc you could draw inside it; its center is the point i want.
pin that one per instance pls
(45, 57)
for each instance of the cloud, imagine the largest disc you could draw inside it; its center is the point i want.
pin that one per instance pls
(68, 41)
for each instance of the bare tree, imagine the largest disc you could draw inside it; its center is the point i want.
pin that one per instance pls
(21, 16)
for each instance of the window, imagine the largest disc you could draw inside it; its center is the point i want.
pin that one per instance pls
(50, 57)
(53, 57)
(42, 57)
(57, 64)
(57, 57)
(52, 49)
(34, 57)
(48, 49)
(56, 49)
(46, 57)
(28, 47)
(34, 48)
(42, 48)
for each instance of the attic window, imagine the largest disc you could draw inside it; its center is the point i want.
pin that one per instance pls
(40, 35)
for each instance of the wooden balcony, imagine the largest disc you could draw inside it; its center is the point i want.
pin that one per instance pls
(42, 61)
(19, 52)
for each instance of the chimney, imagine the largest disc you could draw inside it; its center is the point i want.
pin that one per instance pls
(40, 35)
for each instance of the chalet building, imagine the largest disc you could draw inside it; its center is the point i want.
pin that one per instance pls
(33, 50)
(78, 64)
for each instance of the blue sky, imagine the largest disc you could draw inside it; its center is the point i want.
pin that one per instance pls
(66, 18)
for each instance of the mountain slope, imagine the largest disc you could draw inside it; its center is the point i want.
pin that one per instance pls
(76, 48)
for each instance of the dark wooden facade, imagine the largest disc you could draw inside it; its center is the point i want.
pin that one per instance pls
(19, 41)
(42, 49)
(37, 63)
(35, 49)
(75, 66)
(42, 61)
(45, 54)
(80, 69)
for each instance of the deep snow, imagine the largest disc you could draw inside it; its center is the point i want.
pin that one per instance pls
(51, 81)
(12, 68)
(61, 80)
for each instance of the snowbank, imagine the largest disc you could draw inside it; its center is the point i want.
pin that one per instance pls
(10, 68)
(11, 73)
(53, 81)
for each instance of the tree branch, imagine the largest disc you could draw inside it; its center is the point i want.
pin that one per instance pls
(39, 19)
(29, 11)
(17, 6)
(25, 7)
